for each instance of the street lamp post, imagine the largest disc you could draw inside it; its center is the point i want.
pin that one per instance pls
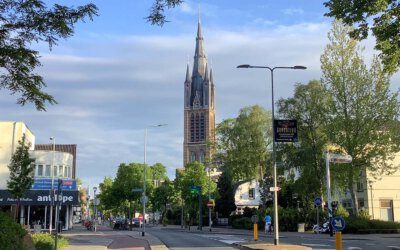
(94, 207)
(52, 184)
(276, 225)
(144, 197)
(209, 198)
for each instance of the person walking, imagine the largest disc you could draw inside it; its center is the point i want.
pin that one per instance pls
(268, 221)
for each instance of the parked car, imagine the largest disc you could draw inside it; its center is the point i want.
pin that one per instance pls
(136, 222)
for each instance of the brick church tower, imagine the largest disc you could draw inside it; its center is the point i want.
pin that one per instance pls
(199, 106)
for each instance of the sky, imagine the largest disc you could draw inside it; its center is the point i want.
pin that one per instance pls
(118, 74)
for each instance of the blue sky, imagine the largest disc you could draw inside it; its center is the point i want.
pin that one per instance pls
(119, 74)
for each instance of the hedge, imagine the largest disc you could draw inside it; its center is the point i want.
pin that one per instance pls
(11, 233)
(45, 241)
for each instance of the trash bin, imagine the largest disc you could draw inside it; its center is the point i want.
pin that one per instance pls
(300, 227)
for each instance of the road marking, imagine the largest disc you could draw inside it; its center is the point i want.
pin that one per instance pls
(393, 247)
(354, 248)
(230, 242)
(314, 245)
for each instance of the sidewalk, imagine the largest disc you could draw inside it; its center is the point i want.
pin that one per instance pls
(80, 238)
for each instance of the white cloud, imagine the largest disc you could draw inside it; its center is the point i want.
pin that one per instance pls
(293, 11)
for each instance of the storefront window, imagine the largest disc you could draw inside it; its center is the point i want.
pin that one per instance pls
(47, 170)
(39, 170)
(60, 171)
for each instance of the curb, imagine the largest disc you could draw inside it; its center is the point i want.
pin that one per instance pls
(154, 242)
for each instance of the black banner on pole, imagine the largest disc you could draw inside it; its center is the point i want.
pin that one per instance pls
(285, 130)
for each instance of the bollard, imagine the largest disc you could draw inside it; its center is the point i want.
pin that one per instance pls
(338, 240)
(255, 231)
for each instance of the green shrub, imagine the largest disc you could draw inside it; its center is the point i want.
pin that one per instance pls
(45, 241)
(363, 225)
(363, 213)
(11, 233)
(341, 211)
(242, 223)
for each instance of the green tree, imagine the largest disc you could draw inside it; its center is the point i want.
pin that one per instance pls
(163, 195)
(23, 23)
(193, 174)
(381, 17)
(21, 171)
(363, 113)
(226, 202)
(308, 107)
(243, 143)
(106, 196)
(129, 176)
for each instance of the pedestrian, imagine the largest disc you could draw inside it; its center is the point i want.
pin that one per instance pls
(268, 220)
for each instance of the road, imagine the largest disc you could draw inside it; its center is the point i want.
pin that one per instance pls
(176, 238)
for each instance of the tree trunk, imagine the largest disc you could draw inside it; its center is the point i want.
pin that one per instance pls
(353, 193)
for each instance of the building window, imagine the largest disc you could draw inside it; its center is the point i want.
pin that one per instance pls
(251, 194)
(192, 131)
(360, 187)
(48, 170)
(66, 171)
(197, 126)
(55, 171)
(386, 209)
(39, 171)
(192, 156)
(202, 128)
(60, 171)
(361, 203)
(202, 157)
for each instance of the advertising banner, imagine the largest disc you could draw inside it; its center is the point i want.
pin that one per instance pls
(285, 130)
(45, 184)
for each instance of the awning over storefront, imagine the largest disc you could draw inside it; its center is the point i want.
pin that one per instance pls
(39, 197)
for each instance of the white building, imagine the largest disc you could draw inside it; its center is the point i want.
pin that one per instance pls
(35, 205)
(247, 194)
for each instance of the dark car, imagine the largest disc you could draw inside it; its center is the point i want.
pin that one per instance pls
(136, 222)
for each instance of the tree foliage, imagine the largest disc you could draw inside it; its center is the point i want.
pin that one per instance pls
(243, 143)
(363, 112)
(23, 23)
(382, 17)
(226, 202)
(157, 11)
(21, 170)
(309, 107)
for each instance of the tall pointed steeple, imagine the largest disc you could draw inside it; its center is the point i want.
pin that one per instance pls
(199, 113)
(199, 53)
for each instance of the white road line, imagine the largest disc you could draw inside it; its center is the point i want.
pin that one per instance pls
(314, 245)
(230, 242)
(354, 248)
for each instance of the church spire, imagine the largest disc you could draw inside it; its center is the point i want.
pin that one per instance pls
(199, 54)
(187, 74)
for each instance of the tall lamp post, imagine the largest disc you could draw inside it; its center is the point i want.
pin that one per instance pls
(276, 225)
(144, 197)
(52, 185)
(94, 207)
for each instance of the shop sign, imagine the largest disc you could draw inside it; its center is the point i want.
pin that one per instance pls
(39, 197)
(285, 130)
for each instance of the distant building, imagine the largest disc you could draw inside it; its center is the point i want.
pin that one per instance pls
(199, 106)
(35, 204)
(247, 194)
(381, 198)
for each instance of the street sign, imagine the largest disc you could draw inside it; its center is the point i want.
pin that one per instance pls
(273, 189)
(140, 217)
(318, 201)
(338, 158)
(144, 199)
(338, 223)
(254, 218)
(210, 204)
(195, 189)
